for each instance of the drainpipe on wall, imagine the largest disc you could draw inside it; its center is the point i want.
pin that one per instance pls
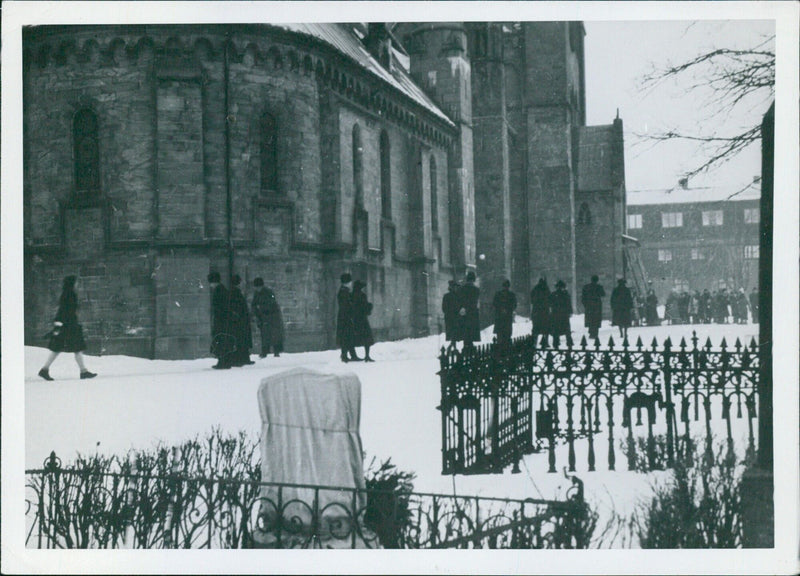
(228, 199)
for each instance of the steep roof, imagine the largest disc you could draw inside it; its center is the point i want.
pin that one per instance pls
(694, 195)
(594, 158)
(343, 39)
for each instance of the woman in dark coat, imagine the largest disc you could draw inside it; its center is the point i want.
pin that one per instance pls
(560, 311)
(621, 305)
(240, 323)
(651, 309)
(450, 307)
(344, 319)
(67, 333)
(269, 318)
(469, 298)
(505, 302)
(540, 310)
(362, 332)
(592, 300)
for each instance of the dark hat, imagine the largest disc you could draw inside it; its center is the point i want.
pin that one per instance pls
(359, 284)
(506, 283)
(453, 283)
(621, 281)
(213, 277)
(345, 278)
(258, 282)
(236, 280)
(471, 275)
(595, 278)
(560, 284)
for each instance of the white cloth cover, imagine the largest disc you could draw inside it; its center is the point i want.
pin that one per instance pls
(310, 435)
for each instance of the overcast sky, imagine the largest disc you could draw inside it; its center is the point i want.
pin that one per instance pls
(618, 54)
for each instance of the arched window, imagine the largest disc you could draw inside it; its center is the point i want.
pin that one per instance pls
(386, 177)
(87, 153)
(358, 166)
(269, 154)
(434, 196)
(584, 215)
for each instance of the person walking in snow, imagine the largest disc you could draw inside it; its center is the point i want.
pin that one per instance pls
(362, 308)
(560, 312)
(621, 304)
(268, 317)
(651, 309)
(540, 311)
(240, 321)
(450, 307)
(67, 333)
(223, 342)
(592, 299)
(469, 299)
(344, 319)
(504, 302)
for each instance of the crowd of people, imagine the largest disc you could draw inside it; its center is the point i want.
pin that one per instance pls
(551, 310)
(231, 316)
(687, 307)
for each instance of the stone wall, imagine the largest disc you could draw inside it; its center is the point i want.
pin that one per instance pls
(180, 141)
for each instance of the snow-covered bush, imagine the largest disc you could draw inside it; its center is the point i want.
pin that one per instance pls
(699, 506)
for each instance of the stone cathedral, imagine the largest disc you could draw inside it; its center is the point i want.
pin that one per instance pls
(405, 154)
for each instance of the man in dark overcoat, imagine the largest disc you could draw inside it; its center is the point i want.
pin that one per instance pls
(240, 320)
(344, 319)
(222, 338)
(450, 308)
(504, 302)
(469, 299)
(592, 300)
(621, 305)
(540, 311)
(560, 312)
(269, 318)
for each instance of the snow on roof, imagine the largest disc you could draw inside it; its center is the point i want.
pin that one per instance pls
(679, 195)
(344, 40)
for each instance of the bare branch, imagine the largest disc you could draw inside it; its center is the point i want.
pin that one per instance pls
(729, 80)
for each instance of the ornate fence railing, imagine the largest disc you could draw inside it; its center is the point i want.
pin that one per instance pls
(70, 508)
(499, 404)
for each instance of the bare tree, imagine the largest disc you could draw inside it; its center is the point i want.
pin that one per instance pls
(728, 82)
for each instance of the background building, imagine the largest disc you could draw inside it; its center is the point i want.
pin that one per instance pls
(549, 190)
(697, 238)
(153, 154)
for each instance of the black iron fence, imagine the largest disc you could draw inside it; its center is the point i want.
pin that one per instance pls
(70, 508)
(501, 403)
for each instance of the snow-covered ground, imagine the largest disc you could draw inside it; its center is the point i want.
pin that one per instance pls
(135, 403)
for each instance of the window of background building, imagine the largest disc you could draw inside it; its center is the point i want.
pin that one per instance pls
(358, 166)
(751, 251)
(269, 154)
(434, 197)
(712, 217)
(87, 153)
(698, 254)
(752, 216)
(584, 214)
(634, 221)
(671, 219)
(681, 285)
(386, 176)
(665, 255)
